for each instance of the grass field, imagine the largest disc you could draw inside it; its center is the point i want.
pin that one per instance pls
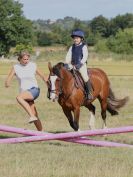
(61, 159)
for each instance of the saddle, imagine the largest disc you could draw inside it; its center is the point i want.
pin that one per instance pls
(79, 82)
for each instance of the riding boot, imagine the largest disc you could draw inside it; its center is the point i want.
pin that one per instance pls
(89, 90)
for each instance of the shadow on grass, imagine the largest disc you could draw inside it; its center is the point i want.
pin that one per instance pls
(59, 132)
(57, 144)
(8, 136)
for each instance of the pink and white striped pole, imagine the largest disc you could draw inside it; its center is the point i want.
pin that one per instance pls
(69, 134)
(70, 137)
(74, 140)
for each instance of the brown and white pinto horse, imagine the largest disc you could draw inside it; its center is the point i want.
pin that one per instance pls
(61, 86)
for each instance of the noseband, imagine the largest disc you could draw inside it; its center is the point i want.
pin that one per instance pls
(59, 79)
(59, 90)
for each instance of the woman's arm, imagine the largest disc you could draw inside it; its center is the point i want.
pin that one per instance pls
(9, 77)
(42, 76)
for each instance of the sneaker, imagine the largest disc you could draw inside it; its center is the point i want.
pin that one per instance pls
(32, 119)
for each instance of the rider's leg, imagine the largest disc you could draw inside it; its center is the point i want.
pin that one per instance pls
(89, 90)
(88, 87)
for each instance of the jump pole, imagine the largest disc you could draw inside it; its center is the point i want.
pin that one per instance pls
(75, 140)
(50, 136)
(70, 137)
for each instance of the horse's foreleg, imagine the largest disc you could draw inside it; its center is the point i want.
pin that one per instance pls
(76, 118)
(69, 116)
(91, 108)
(103, 112)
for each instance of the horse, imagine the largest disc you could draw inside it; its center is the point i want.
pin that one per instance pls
(62, 87)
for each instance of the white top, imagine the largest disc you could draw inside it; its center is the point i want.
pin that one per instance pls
(69, 55)
(26, 75)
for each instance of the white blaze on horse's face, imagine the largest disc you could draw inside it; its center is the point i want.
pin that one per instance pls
(53, 88)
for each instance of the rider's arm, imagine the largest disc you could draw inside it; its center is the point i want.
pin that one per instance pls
(85, 54)
(10, 77)
(69, 56)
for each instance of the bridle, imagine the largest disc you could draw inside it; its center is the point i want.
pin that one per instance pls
(56, 90)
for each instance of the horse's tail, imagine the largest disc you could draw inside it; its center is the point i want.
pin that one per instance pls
(113, 104)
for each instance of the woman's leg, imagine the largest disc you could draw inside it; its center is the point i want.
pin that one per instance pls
(34, 111)
(22, 99)
(25, 99)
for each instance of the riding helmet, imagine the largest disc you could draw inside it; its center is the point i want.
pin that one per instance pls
(77, 32)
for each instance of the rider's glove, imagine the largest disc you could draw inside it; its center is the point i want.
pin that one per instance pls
(67, 66)
(78, 66)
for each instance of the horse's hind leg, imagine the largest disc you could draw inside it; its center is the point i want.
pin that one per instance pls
(91, 108)
(69, 116)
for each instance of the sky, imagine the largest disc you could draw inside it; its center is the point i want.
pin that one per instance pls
(81, 9)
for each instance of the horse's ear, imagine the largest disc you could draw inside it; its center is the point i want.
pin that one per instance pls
(50, 66)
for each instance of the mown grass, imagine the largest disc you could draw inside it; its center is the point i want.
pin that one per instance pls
(61, 159)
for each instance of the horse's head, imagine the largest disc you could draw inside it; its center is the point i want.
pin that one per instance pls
(54, 81)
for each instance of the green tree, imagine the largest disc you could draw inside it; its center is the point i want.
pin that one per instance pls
(44, 39)
(122, 42)
(100, 25)
(78, 24)
(101, 46)
(121, 22)
(14, 27)
(66, 37)
(21, 47)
